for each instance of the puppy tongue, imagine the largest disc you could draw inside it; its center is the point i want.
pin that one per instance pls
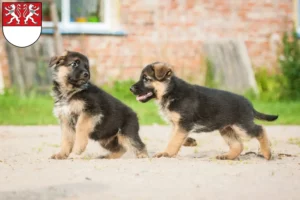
(145, 96)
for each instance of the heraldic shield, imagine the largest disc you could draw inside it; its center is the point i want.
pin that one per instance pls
(22, 22)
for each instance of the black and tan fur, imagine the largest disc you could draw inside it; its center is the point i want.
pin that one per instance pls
(193, 108)
(85, 111)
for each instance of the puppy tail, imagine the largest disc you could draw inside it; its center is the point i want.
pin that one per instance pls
(265, 117)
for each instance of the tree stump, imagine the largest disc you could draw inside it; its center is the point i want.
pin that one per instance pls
(231, 65)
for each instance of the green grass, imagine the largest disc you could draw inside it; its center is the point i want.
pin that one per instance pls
(37, 109)
(289, 112)
(15, 110)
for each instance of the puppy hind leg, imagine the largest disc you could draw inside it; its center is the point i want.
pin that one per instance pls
(129, 137)
(136, 144)
(116, 150)
(259, 133)
(234, 142)
(264, 142)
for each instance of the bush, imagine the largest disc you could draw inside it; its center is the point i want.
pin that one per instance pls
(290, 65)
(120, 89)
(285, 85)
(269, 86)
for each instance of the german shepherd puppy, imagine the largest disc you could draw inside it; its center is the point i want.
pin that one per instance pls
(193, 108)
(85, 111)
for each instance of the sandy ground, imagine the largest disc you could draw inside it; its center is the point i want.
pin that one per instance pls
(27, 173)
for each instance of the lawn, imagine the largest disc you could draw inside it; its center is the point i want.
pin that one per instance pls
(289, 112)
(37, 109)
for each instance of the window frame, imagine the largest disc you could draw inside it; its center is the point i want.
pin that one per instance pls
(66, 26)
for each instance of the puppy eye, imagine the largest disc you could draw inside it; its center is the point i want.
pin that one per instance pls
(145, 78)
(75, 63)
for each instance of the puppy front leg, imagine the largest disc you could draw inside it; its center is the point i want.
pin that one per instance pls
(178, 137)
(68, 136)
(84, 126)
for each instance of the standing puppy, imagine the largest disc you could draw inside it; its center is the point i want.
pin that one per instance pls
(85, 111)
(192, 108)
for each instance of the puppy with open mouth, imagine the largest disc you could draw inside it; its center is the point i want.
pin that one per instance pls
(85, 111)
(193, 108)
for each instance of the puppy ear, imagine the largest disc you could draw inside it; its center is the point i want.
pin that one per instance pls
(55, 60)
(66, 52)
(162, 71)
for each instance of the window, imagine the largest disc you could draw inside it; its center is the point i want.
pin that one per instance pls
(81, 16)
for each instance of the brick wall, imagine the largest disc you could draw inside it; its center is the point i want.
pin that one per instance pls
(174, 31)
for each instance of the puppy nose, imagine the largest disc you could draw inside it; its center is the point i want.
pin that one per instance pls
(85, 75)
(132, 89)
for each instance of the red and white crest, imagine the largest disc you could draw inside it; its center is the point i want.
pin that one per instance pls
(22, 22)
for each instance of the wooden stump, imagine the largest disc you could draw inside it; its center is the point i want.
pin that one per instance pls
(231, 65)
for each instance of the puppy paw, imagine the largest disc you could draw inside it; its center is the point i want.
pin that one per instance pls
(142, 155)
(227, 157)
(222, 157)
(190, 142)
(267, 154)
(59, 156)
(78, 150)
(112, 155)
(161, 154)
